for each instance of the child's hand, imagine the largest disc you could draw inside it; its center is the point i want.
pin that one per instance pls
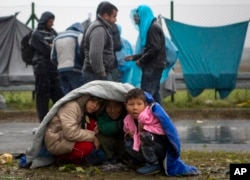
(96, 142)
(131, 134)
(140, 127)
(96, 130)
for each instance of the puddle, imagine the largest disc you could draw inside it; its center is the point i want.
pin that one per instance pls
(214, 131)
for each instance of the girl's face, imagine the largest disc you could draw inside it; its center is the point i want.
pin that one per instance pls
(135, 107)
(114, 109)
(92, 105)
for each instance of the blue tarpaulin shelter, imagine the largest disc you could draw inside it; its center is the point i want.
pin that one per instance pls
(209, 56)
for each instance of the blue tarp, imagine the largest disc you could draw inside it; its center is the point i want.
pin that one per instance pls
(209, 56)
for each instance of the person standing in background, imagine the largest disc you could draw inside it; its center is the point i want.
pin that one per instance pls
(151, 44)
(47, 84)
(117, 44)
(65, 55)
(98, 45)
(125, 68)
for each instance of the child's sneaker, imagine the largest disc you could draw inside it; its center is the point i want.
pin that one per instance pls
(95, 158)
(149, 169)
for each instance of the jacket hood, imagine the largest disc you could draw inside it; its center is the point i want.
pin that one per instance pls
(76, 27)
(146, 16)
(44, 19)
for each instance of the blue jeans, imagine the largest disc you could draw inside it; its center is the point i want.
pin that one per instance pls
(70, 80)
(91, 76)
(150, 82)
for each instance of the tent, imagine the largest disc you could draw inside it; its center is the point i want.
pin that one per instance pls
(13, 71)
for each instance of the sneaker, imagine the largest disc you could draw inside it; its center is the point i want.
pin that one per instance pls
(110, 161)
(95, 158)
(149, 169)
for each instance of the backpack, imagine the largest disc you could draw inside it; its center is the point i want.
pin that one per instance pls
(27, 51)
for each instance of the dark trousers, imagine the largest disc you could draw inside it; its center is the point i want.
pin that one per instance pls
(111, 145)
(47, 86)
(150, 82)
(152, 150)
(89, 76)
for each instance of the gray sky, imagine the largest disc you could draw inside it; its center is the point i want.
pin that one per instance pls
(187, 11)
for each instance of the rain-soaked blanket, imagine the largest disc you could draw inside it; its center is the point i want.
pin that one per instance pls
(38, 156)
(173, 164)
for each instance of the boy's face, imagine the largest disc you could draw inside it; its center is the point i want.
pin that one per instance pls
(50, 24)
(111, 19)
(136, 18)
(92, 105)
(135, 107)
(114, 109)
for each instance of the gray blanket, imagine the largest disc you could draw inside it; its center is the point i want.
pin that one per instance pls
(104, 89)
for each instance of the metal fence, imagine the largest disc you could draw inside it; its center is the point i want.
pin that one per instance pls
(194, 14)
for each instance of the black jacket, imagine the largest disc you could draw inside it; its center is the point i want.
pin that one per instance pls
(154, 53)
(41, 40)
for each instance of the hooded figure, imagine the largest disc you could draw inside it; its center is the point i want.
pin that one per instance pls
(150, 50)
(66, 56)
(47, 85)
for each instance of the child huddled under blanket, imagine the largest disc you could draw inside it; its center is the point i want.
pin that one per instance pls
(151, 138)
(66, 137)
(37, 155)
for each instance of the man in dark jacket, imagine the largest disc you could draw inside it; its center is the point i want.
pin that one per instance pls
(98, 45)
(151, 45)
(47, 85)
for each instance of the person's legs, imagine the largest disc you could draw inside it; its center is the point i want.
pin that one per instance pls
(136, 156)
(64, 82)
(70, 80)
(107, 144)
(42, 95)
(153, 148)
(56, 92)
(75, 79)
(91, 76)
(80, 151)
(150, 82)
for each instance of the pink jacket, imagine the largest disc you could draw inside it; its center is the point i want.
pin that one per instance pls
(150, 124)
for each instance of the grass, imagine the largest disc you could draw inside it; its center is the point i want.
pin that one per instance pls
(182, 99)
(211, 165)
(25, 100)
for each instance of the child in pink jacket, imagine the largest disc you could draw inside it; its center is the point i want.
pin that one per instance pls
(145, 140)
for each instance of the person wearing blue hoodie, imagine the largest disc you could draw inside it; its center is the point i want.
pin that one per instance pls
(65, 55)
(47, 84)
(150, 52)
